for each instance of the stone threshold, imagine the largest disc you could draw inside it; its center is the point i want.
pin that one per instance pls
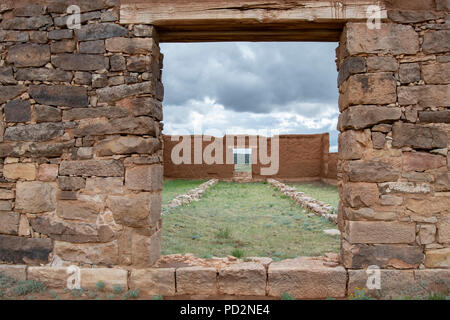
(315, 206)
(302, 278)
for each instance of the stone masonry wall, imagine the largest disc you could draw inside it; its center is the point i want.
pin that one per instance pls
(80, 143)
(394, 163)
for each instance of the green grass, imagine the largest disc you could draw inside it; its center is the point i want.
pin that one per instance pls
(173, 188)
(243, 167)
(254, 218)
(320, 191)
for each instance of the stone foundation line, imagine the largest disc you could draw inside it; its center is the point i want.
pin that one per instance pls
(317, 207)
(193, 194)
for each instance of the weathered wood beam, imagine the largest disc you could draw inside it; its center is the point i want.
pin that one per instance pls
(246, 20)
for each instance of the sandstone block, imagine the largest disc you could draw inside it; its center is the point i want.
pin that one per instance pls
(436, 73)
(196, 280)
(390, 200)
(359, 195)
(433, 280)
(110, 276)
(305, 278)
(71, 183)
(85, 168)
(17, 111)
(442, 182)
(409, 72)
(29, 55)
(60, 34)
(147, 178)
(421, 161)
(369, 214)
(80, 62)
(131, 45)
(381, 64)
(126, 145)
(46, 114)
(139, 64)
(25, 23)
(9, 222)
(53, 277)
(35, 196)
(59, 95)
(370, 88)
(360, 117)
(154, 281)
(352, 144)
(136, 210)
(85, 211)
(130, 125)
(63, 46)
(443, 227)
(100, 31)
(96, 47)
(435, 116)
(6, 194)
(438, 258)
(142, 106)
(47, 172)
(436, 41)
(390, 38)
(104, 185)
(43, 74)
(378, 140)
(98, 254)
(10, 92)
(427, 233)
(118, 63)
(123, 91)
(380, 232)
(6, 76)
(247, 278)
(34, 132)
(418, 136)
(358, 256)
(21, 250)
(370, 171)
(18, 272)
(98, 112)
(425, 96)
(25, 171)
(145, 248)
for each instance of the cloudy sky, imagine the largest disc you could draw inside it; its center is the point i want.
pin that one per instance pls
(250, 88)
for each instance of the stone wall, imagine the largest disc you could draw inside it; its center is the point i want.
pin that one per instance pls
(302, 157)
(394, 163)
(81, 150)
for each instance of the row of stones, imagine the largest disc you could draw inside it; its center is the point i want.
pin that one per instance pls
(317, 207)
(193, 194)
(393, 146)
(302, 281)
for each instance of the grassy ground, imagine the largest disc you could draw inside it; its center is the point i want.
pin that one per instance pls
(251, 219)
(173, 188)
(320, 191)
(243, 167)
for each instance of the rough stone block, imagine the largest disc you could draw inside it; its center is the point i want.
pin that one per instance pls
(80, 62)
(98, 254)
(443, 227)
(196, 281)
(370, 171)
(352, 144)
(360, 117)
(130, 125)
(421, 161)
(43, 74)
(63, 46)
(126, 145)
(247, 278)
(9, 222)
(35, 196)
(86, 211)
(104, 185)
(131, 45)
(21, 250)
(26, 23)
(436, 73)
(442, 116)
(152, 282)
(306, 278)
(370, 88)
(110, 276)
(436, 41)
(47, 172)
(71, 183)
(58, 95)
(93, 47)
(438, 258)
(29, 55)
(147, 178)
(11, 92)
(381, 64)
(357, 256)
(18, 272)
(34, 132)
(46, 114)
(85, 168)
(136, 210)
(359, 195)
(123, 91)
(390, 38)
(17, 111)
(380, 232)
(418, 136)
(425, 96)
(409, 72)
(53, 277)
(25, 171)
(100, 31)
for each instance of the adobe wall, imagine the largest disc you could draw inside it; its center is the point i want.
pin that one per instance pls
(302, 157)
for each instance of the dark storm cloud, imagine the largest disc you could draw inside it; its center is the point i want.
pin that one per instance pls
(256, 77)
